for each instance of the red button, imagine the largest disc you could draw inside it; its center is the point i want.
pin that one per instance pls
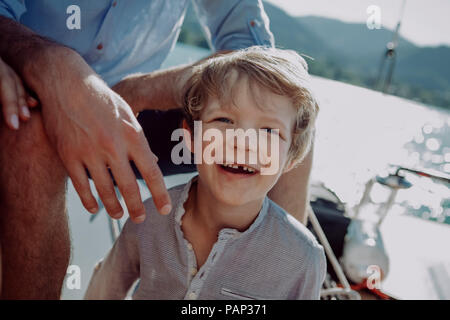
(100, 46)
(252, 23)
(114, 3)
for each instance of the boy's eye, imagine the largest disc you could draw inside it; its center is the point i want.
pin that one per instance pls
(222, 119)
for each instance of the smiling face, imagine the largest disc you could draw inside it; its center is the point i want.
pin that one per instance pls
(250, 107)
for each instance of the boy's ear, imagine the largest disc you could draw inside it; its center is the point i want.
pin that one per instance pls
(187, 136)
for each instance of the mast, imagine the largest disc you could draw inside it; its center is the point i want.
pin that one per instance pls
(390, 57)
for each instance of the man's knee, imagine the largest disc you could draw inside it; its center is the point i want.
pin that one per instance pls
(29, 141)
(28, 161)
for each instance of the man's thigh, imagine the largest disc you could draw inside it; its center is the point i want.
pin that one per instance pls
(158, 127)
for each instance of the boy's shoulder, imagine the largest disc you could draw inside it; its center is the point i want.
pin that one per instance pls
(291, 229)
(156, 222)
(177, 193)
(291, 242)
(156, 225)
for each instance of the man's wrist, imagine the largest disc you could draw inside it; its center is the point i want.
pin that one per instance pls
(47, 61)
(131, 90)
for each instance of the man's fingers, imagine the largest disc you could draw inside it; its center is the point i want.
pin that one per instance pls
(9, 102)
(105, 189)
(32, 102)
(146, 162)
(24, 112)
(80, 181)
(126, 181)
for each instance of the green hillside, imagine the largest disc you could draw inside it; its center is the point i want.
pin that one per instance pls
(421, 73)
(352, 53)
(360, 46)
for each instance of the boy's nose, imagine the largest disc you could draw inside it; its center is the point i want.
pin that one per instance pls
(242, 141)
(243, 147)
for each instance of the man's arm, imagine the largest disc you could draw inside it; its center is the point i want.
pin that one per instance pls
(291, 190)
(158, 90)
(90, 125)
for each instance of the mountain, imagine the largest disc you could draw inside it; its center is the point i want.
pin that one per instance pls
(352, 53)
(360, 45)
(428, 67)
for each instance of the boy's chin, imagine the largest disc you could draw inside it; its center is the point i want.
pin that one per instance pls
(236, 199)
(233, 202)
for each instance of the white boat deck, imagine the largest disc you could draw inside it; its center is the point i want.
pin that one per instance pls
(419, 258)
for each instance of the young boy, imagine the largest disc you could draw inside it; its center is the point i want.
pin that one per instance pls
(224, 239)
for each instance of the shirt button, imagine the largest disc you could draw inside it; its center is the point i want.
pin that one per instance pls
(114, 3)
(189, 246)
(100, 46)
(252, 23)
(192, 296)
(193, 271)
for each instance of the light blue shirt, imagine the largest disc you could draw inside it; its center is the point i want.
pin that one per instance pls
(118, 37)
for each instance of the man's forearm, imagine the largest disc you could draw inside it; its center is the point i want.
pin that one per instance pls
(159, 90)
(291, 190)
(26, 51)
(17, 43)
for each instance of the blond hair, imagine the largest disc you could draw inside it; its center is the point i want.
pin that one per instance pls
(283, 72)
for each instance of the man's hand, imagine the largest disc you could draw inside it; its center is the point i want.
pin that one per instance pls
(14, 101)
(93, 128)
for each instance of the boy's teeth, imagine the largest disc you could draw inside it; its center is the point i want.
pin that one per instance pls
(234, 166)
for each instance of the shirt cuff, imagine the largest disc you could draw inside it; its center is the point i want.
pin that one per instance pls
(258, 35)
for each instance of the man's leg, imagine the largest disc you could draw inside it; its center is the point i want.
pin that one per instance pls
(291, 190)
(34, 232)
(0, 269)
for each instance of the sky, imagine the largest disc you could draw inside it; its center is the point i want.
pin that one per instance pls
(425, 22)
